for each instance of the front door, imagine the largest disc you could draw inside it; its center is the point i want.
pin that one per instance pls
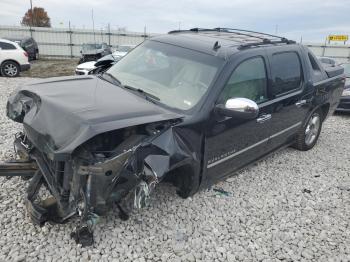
(230, 142)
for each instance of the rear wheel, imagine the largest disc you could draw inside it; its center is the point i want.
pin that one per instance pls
(309, 132)
(36, 55)
(10, 69)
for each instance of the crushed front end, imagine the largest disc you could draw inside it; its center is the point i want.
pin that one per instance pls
(90, 162)
(110, 169)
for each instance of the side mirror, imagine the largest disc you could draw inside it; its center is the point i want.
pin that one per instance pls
(242, 108)
(81, 51)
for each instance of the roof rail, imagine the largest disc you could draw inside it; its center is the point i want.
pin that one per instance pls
(244, 38)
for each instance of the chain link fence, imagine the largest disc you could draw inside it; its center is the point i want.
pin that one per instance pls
(341, 53)
(67, 42)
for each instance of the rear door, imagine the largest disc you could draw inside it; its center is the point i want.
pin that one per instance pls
(7, 51)
(1, 53)
(290, 91)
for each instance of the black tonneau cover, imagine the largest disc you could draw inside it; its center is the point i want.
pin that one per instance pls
(333, 71)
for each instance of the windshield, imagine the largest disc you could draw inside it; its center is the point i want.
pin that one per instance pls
(346, 69)
(124, 48)
(87, 47)
(179, 77)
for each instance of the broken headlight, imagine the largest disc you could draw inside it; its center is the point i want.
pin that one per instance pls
(20, 104)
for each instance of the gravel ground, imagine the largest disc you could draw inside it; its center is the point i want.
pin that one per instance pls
(292, 206)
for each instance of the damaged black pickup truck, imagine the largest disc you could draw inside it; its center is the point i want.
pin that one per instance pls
(189, 107)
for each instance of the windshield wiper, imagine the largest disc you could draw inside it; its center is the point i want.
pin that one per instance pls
(113, 78)
(116, 81)
(141, 91)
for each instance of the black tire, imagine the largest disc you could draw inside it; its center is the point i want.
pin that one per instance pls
(36, 55)
(309, 132)
(10, 69)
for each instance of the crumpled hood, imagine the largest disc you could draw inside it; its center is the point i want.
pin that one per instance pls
(62, 113)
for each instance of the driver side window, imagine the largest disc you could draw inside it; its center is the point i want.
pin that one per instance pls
(248, 80)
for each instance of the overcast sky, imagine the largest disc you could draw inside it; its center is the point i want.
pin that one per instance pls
(311, 19)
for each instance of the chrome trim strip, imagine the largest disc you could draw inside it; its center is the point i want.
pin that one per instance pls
(285, 130)
(252, 146)
(280, 98)
(237, 153)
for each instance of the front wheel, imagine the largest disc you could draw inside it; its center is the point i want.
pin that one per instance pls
(309, 132)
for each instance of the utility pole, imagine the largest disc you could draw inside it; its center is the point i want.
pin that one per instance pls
(109, 34)
(70, 41)
(93, 24)
(32, 18)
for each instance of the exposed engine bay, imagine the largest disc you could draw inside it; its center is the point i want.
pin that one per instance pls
(120, 167)
(94, 154)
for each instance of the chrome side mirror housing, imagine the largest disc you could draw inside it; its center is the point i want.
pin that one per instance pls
(239, 107)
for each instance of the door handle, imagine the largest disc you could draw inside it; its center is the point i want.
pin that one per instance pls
(301, 103)
(263, 118)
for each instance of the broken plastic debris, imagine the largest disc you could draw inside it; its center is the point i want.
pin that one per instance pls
(221, 191)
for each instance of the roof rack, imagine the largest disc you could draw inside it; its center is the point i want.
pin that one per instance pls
(243, 38)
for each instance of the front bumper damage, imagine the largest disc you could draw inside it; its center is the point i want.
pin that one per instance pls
(90, 186)
(80, 189)
(92, 153)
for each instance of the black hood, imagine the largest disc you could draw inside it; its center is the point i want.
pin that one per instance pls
(62, 113)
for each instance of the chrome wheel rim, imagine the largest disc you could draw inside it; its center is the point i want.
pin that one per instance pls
(10, 70)
(312, 129)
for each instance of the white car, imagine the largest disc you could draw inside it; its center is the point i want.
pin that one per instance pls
(85, 68)
(13, 59)
(122, 50)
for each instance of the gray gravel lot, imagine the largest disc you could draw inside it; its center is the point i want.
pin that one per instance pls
(267, 217)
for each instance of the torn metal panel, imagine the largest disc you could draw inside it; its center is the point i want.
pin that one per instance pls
(62, 114)
(99, 151)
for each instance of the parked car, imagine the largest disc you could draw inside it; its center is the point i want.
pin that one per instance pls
(28, 44)
(98, 66)
(191, 107)
(92, 52)
(344, 105)
(13, 59)
(122, 50)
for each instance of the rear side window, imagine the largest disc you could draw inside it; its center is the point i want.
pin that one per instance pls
(286, 72)
(248, 81)
(7, 46)
(313, 62)
(316, 73)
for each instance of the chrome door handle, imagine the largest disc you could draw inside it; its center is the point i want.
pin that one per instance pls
(263, 118)
(301, 103)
